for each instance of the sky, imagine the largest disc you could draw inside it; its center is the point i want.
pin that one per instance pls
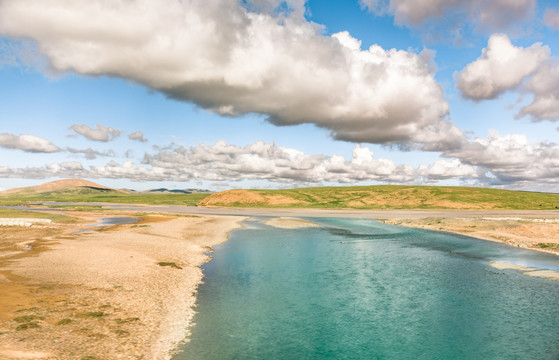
(221, 94)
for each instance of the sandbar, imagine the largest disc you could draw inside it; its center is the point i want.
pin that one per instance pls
(530, 271)
(290, 223)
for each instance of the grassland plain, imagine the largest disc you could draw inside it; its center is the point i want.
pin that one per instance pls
(84, 194)
(340, 197)
(351, 197)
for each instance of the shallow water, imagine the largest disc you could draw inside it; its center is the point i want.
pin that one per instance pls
(359, 289)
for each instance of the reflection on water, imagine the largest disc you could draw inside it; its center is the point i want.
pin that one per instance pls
(359, 289)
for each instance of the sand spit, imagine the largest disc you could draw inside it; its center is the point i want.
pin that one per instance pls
(123, 293)
(530, 271)
(290, 223)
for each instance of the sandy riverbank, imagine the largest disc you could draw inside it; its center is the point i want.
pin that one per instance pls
(126, 292)
(530, 232)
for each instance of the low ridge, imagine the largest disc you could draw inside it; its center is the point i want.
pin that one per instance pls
(57, 186)
(387, 197)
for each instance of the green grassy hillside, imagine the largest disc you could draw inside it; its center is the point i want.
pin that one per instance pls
(356, 197)
(92, 194)
(386, 197)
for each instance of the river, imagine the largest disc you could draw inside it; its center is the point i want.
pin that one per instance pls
(360, 289)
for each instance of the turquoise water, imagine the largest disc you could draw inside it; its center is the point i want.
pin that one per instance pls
(359, 289)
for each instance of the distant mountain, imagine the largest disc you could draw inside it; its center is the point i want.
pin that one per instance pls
(70, 186)
(179, 191)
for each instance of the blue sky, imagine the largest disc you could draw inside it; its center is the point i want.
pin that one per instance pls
(271, 93)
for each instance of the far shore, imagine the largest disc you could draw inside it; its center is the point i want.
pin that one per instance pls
(310, 213)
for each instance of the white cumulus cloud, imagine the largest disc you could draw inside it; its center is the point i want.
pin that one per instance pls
(26, 142)
(544, 86)
(259, 161)
(91, 154)
(551, 18)
(237, 60)
(497, 160)
(443, 169)
(501, 67)
(455, 15)
(138, 136)
(71, 165)
(101, 133)
(511, 159)
(504, 67)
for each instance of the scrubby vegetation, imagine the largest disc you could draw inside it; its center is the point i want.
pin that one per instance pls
(169, 264)
(548, 246)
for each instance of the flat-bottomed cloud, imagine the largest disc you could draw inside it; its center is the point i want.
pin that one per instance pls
(281, 67)
(101, 133)
(26, 142)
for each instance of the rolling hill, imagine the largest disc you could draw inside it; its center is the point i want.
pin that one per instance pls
(349, 197)
(62, 187)
(77, 190)
(386, 197)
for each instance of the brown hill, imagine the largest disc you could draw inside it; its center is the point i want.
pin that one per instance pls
(248, 197)
(55, 186)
